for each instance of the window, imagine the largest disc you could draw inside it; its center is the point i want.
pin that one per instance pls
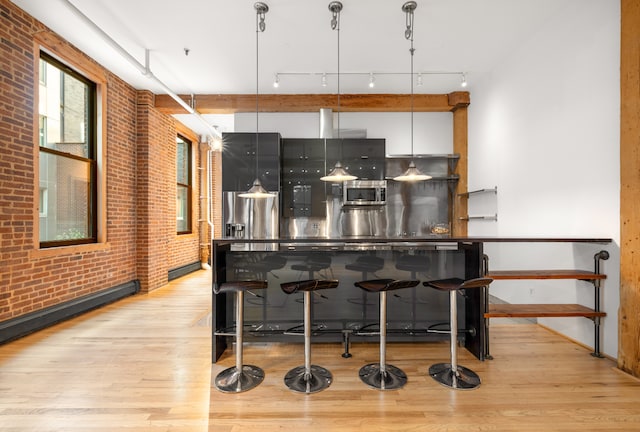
(67, 136)
(183, 197)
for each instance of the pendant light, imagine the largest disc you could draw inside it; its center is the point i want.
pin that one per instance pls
(339, 174)
(412, 174)
(257, 190)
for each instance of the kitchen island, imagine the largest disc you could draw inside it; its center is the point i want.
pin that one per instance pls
(343, 315)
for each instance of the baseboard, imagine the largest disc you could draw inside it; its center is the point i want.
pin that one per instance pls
(18, 327)
(184, 270)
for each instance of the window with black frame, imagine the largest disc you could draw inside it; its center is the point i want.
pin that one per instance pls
(67, 155)
(183, 197)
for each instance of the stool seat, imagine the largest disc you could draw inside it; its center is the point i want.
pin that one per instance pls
(381, 375)
(236, 286)
(453, 284)
(451, 374)
(241, 377)
(308, 285)
(308, 378)
(377, 285)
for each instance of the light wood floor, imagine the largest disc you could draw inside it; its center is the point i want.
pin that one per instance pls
(144, 364)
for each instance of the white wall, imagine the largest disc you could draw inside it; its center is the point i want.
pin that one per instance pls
(544, 128)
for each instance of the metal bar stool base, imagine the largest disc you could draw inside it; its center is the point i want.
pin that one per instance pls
(301, 381)
(392, 378)
(464, 379)
(232, 381)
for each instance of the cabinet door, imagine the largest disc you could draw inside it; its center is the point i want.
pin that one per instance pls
(268, 153)
(292, 174)
(239, 154)
(314, 169)
(364, 157)
(302, 166)
(238, 161)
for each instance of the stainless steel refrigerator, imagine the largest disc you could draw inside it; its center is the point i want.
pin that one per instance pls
(249, 218)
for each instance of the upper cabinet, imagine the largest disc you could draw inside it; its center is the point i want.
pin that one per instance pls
(243, 161)
(303, 163)
(362, 157)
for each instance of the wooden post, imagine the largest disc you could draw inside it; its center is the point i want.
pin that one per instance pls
(460, 144)
(629, 313)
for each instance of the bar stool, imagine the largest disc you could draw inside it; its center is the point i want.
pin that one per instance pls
(381, 375)
(241, 377)
(308, 378)
(451, 374)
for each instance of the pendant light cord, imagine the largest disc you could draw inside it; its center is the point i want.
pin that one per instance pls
(412, 50)
(335, 7)
(257, 86)
(409, 35)
(338, 28)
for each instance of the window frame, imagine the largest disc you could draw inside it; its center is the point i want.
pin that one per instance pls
(189, 187)
(90, 159)
(50, 43)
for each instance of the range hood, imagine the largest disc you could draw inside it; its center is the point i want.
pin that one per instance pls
(327, 131)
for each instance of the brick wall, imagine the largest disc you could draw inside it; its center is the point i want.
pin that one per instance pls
(140, 151)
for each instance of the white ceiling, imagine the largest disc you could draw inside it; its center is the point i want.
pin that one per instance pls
(469, 36)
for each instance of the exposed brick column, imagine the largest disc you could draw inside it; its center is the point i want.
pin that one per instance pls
(155, 132)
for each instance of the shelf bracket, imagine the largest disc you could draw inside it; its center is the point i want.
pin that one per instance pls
(602, 255)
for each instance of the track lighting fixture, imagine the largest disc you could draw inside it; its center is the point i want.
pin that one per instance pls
(463, 82)
(372, 80)
(323, 81)
(276, 81)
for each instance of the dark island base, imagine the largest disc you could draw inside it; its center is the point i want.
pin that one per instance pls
(348, 313)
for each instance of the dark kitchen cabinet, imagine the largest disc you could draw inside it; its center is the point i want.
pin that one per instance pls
(239, 156)
(364, 158)
(303, 163)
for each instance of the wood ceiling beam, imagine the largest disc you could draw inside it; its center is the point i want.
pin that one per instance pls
(239, 103)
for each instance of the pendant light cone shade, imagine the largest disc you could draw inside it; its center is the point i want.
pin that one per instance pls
(257, 190)
(339, 174)
(412, 174)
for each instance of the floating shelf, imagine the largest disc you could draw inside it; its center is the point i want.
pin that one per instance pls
(473, 192)
(485, 217)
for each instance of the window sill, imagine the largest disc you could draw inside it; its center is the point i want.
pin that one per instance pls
(69, 250)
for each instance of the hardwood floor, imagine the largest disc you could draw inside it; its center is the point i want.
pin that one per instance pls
(144, 364)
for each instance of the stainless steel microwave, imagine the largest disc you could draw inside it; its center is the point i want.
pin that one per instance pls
(364, 192)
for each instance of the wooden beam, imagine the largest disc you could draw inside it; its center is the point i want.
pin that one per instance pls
(238, 103)
(629, 313)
